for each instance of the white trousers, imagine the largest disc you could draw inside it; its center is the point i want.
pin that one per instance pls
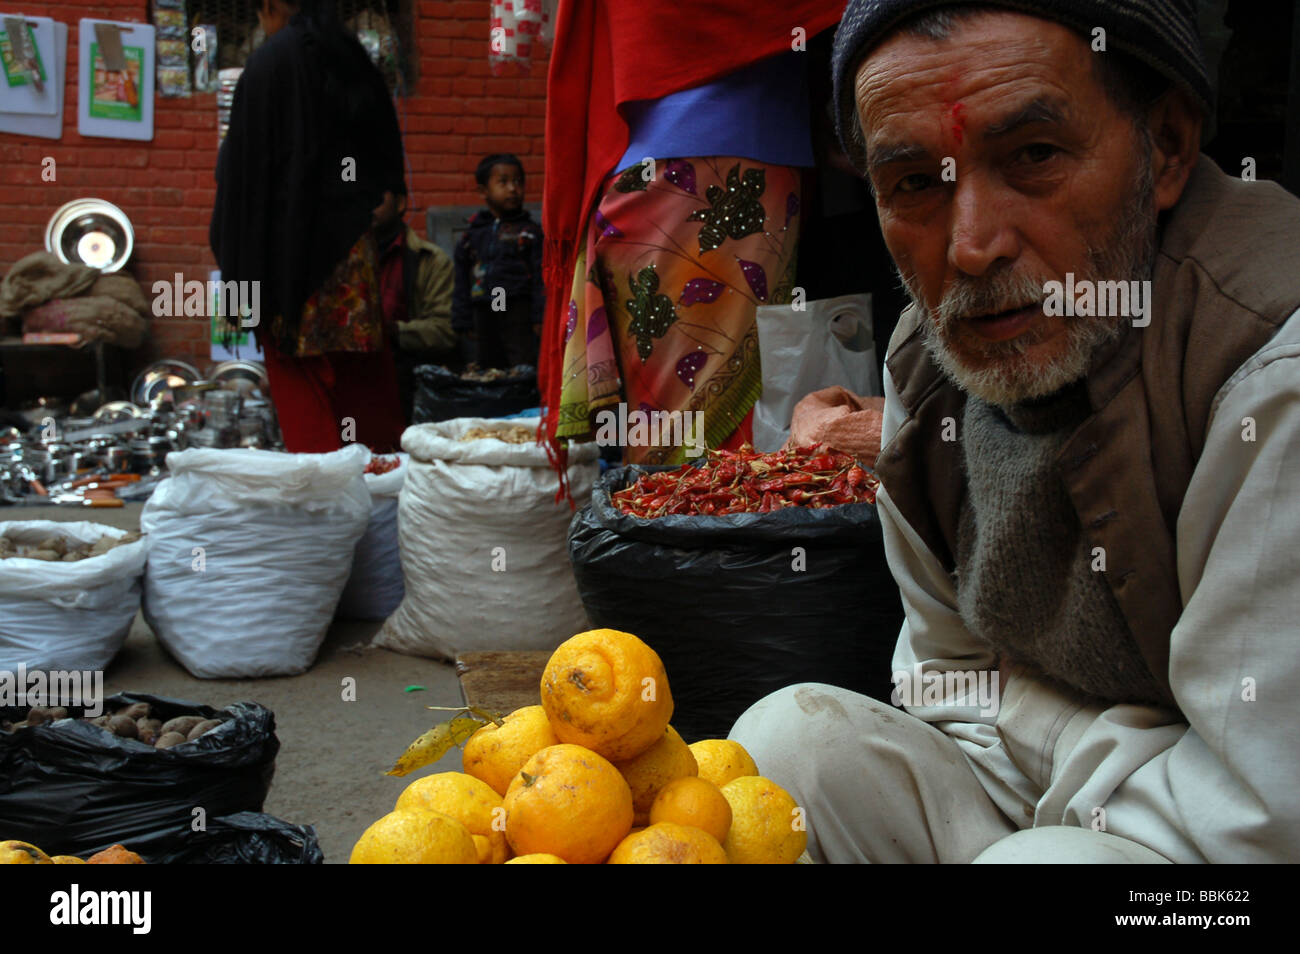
(880, 786)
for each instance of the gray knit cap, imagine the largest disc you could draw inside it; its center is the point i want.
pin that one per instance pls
(1161, 33)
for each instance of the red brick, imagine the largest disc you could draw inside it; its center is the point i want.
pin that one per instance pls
(470, 124)
(487, 144)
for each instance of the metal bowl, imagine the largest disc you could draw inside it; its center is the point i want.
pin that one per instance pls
(159, 378)
(242, 376)
(118, 411)
(91, 232)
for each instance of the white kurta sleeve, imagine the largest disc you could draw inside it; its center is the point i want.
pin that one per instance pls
(1225, 785)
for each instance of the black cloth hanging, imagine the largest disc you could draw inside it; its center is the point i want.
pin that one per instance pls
(312, 147)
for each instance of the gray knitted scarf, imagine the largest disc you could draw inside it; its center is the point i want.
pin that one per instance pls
(1025, 582)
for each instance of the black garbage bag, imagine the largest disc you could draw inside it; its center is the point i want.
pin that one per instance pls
(71, 788)
(741, 605)
(245, 838)
(443, 395)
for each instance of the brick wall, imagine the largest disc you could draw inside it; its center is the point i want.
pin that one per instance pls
(458, 113)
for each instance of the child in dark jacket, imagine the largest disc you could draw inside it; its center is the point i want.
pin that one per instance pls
(499, 296)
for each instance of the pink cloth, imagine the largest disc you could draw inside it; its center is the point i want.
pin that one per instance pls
(840, 419)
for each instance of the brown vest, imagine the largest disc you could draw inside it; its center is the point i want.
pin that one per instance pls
(1227, 276)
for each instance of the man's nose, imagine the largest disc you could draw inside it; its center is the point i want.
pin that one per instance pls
(980, 225)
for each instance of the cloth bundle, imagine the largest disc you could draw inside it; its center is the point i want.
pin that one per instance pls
(54, 297)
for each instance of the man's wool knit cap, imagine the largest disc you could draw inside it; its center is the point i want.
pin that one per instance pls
(1161, 33)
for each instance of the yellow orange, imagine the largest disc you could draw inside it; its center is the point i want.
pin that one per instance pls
(537, 859)
(669, 844)
(767, 827)
(721, 760)
(116, 855)
(568, 801)
(695, 802)
(607, 691)
(22, 853)
(668, 759)
(495, 754)
(471, 802)
(418, 837)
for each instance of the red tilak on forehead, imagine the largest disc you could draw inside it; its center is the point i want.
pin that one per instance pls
(953, 109)
(957, 121)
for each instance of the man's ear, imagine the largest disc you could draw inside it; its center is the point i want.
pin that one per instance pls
(1175, 125)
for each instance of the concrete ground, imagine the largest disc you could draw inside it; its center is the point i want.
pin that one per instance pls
(329, 772)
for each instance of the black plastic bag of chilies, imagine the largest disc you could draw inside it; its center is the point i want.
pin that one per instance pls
(741, 605)
(72, 788)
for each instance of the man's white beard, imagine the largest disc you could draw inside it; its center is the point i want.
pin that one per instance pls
(1006, 378)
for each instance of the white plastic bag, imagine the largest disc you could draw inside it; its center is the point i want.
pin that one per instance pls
(67, 615)
(484, 548)
(829, 342)
(248, 554)
(375, 587)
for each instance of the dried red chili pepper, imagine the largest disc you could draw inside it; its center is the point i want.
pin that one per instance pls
(744, 481)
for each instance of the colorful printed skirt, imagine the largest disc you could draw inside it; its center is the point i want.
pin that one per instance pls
(676, 260)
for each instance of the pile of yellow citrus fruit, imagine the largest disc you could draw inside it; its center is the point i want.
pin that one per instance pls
(25, 853)
(594, 774)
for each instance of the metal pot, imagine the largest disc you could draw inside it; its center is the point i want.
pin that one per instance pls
(117, 459)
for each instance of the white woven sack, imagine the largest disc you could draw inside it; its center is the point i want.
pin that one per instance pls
(375, 587)
(248, 554)
(470, 506)
(67, 615)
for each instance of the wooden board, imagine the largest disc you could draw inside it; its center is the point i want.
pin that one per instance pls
(501, 681)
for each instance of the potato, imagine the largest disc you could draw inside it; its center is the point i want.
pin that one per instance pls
(102, 546)
(181, 724)
(168, 739)
(57, 713)
(101, 721)
(153, 725)
(38, 715)
(136, 710)
(146, 735)
(202, 727)
(122, 726)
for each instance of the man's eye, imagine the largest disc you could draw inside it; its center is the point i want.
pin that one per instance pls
(913, 183)
(1038, 152)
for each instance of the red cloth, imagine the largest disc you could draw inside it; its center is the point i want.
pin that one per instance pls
(392, 280)
(313, 395)
(605, 55)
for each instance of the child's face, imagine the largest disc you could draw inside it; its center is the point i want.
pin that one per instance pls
(504, 190)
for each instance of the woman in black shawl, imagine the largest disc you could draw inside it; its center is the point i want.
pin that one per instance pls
(312, 159)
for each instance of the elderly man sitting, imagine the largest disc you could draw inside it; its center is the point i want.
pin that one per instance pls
(1091, 456)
